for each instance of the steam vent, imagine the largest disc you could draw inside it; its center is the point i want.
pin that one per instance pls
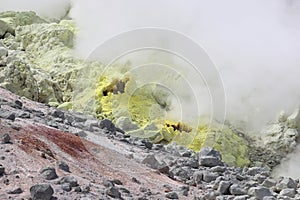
(75, 127)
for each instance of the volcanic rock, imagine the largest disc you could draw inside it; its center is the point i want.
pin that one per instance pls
(68, 179)
(6, 138)
(48, 173)
(224, 187)
(113, 192)
(236, 189)
(2, 170)
(41, 192)
(63, 166)
(172, 195)
(260, 192)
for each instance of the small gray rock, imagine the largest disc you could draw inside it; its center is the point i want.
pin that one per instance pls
(286, 183)
(108, 183)
(260, 192)
(210, 195)
(185, 190)
(254, 171)
(58, 114)
(41, 192)
(198, 177)
(117, 182)
(209, 176)
(7, 115)
(124, 190)
(191, 162)
(126, 124)
(85, 189)
(63, 166)
(224, 187)
(243, 197)
(235, 189)
(48, 173)
(17, 190)
(288, 192)
(165, 169)
(210, 161)
(113, 192)
(108, 125)
(269, 182)
(151, 161)
(18, 104)
(90, 124)
(68, 179)
(172, 195)
(6, 138)
(77, 189)
(219, 169)
(66, 187)
(207, 151)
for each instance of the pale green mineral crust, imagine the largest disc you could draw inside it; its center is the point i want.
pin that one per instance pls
(39, 64)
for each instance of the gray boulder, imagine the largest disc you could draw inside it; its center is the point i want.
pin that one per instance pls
(224, 187)
(151, 161)
(63, 166)
(90, 124)
(254, 171)
(113, 192)
(48, 173)
(41, 192)
(288, 192)
(207, 151)
(209, 176)
(235, 189)
(126, 124)
(172, 195)
(68, 179)
(108, 125)
(2, 170)
(210, 161)
(58, 114)
(198, 177)
(260, 192)
(6, 138)
(286, 183)
(269, 182)
(7, 115)
(243, 197)
(66, 187)
(17, 190)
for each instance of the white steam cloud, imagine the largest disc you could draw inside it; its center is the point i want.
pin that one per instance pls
(255, 44)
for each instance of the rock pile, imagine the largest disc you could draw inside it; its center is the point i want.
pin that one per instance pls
(203, 174)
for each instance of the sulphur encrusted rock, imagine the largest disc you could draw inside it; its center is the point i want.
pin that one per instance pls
(39, 64)
(233, 148)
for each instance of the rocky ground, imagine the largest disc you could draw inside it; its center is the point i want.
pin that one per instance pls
(48, 153)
